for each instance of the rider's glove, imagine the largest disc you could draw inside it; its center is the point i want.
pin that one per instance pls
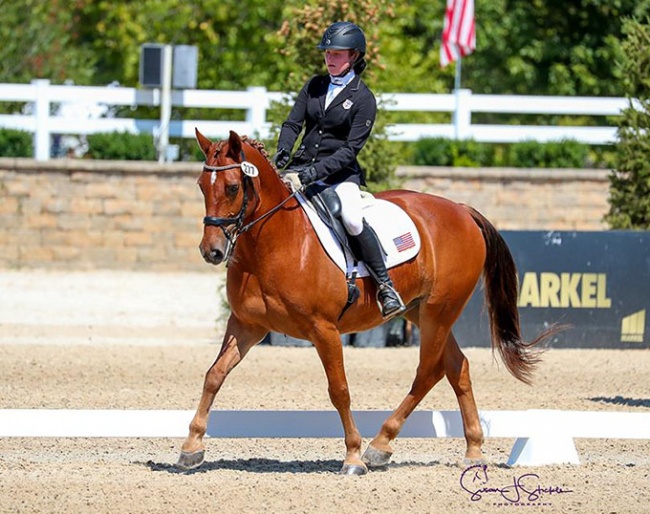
(281, 159)
(308, 175)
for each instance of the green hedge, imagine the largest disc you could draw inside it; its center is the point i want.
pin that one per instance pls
(527, 154)
(16, 143)
(425, 152)
(121, 146)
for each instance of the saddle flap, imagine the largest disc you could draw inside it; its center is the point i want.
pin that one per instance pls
(396, 231)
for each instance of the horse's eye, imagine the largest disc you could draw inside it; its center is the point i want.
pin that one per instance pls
(232, 189)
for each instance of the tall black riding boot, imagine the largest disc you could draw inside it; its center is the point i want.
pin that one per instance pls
(371, 254)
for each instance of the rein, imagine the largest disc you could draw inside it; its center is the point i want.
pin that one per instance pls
(222, 222)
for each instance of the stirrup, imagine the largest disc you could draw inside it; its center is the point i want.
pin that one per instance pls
(396, 298)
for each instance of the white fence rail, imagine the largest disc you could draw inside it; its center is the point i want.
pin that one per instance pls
(88, 112)
(542, 436)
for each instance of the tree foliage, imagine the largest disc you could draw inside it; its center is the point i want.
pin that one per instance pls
(523, 46)
(630, 181)
(41, 40)
(230, 36)
(296, 40)
(549, 47)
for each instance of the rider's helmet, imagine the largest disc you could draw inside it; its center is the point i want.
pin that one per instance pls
(344, 35)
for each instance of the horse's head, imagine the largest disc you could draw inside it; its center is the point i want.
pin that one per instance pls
(230, 184)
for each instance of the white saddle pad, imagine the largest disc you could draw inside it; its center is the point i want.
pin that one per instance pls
(396, 231)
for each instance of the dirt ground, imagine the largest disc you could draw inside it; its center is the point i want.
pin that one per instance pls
(143, 341)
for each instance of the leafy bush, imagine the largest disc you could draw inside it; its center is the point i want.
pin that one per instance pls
(121, 146)
(15, 143)
(439, 151)
(554, 154)
(527, 154)
(432, 152)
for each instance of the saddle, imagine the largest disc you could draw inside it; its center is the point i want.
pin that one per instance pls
(396, 232)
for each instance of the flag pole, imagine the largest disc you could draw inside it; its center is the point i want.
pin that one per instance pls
(457, 93)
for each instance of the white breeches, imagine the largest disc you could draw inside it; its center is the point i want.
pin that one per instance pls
(351, 215)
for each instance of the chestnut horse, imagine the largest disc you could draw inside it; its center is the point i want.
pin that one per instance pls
(280, 279)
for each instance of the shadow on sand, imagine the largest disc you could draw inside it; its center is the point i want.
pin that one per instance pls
(620, 400)
(271, 466)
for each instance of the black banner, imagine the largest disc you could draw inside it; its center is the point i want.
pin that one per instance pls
(598, 282)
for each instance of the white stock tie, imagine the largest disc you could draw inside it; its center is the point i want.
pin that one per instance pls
(337, 84)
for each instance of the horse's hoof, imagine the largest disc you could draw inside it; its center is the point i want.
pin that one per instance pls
(376, 458)
(190, 460)
(353, 470)
(473, 461)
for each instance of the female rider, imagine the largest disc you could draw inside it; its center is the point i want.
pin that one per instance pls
(338, 111)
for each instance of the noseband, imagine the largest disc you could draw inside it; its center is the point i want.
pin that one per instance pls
(238, 221)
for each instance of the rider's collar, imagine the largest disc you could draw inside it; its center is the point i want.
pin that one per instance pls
(344, 80)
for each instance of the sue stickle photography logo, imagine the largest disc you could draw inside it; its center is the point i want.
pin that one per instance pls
(524, 489)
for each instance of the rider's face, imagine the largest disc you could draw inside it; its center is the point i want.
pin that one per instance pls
(338, 61)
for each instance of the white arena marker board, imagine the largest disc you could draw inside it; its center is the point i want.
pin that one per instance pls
(542, 436)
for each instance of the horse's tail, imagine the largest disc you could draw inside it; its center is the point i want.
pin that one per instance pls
(500, 286)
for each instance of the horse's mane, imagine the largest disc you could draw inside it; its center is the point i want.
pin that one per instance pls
(258, 145)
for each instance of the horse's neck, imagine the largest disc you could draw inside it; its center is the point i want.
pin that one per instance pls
(281, 215)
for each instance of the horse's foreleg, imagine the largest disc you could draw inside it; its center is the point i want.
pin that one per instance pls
(457, 370)
(238, 340)
(331, 355)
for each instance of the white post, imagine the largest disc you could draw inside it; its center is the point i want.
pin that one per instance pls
(42, 115)
(256, 115)
(165, 104)
(463, 114)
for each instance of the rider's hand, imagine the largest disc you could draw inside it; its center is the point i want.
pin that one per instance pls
(281, 158)
(308, 175)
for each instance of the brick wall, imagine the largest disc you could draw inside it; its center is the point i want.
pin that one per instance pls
(78, 214)
(522, 199)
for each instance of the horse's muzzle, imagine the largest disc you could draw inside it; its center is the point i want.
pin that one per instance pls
(212, 255)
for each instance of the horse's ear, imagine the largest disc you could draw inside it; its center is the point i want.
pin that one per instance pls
(234, 145)
(203, 141)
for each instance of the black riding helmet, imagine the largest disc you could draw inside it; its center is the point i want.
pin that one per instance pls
(344, 35)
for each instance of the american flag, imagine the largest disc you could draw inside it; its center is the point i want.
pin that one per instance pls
(404, 242)
(459, 32)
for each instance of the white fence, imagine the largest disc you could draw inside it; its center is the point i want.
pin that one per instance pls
(45, 116)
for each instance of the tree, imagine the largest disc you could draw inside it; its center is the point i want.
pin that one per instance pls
(296, 41)
(230, 36)
(630, 181)
(549, 47)
(41, 40)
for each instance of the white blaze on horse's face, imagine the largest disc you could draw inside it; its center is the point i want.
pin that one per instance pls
(213, 178)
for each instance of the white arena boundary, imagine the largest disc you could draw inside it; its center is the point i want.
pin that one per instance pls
(541, 436)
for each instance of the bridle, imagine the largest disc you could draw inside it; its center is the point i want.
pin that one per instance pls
(237, 222)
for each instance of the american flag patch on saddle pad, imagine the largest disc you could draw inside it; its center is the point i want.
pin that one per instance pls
(404, 242)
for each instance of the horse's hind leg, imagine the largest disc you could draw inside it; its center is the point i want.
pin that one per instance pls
(429, 372)
(239, 338)
(457, 370)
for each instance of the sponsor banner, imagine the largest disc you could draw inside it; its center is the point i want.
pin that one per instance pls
(598, 282)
